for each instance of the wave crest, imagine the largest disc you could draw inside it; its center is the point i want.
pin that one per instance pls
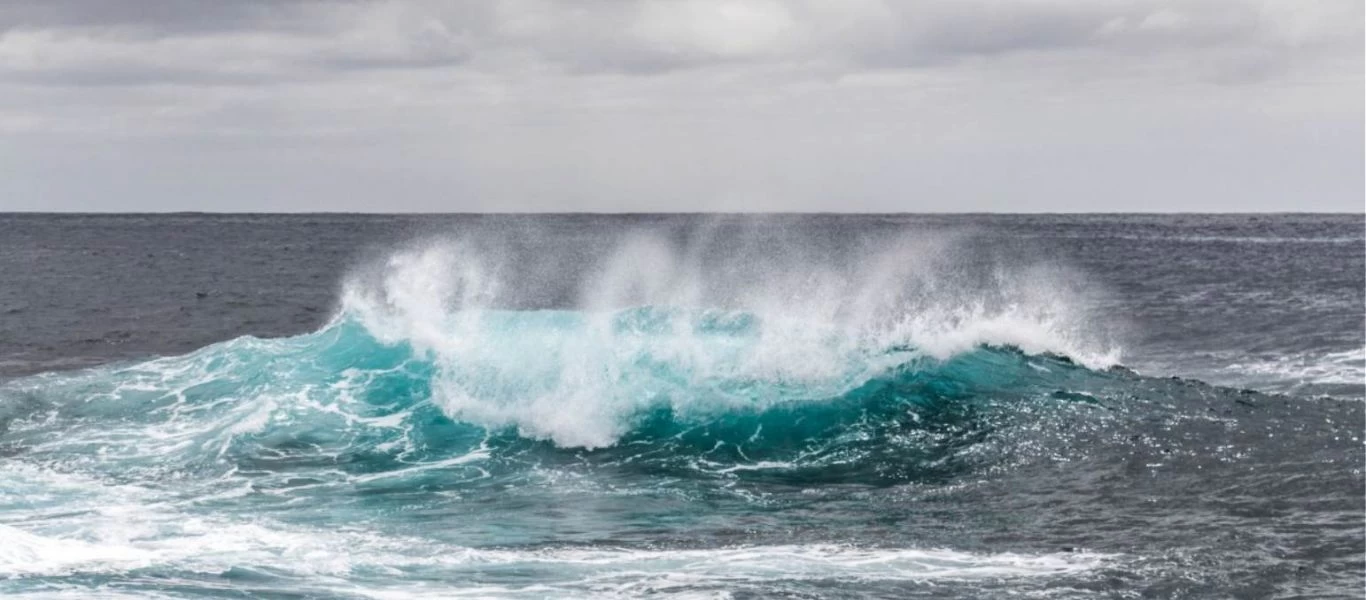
(705, 324)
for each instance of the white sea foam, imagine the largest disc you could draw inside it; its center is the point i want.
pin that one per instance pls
(95, 527)
(196, 545)
(1290, 372)
(23, 553)
(798, 319)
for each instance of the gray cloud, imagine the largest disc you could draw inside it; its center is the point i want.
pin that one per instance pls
(155, 18)
(671, 105)
(296, 39)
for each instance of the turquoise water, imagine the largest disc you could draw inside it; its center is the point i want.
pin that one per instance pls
(321, 433)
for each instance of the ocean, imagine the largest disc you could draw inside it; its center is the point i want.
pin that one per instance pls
(682, 406)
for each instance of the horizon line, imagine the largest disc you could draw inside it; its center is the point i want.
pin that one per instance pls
(667, 213)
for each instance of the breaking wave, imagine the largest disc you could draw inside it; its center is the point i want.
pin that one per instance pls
(665, 416)
(730, 357)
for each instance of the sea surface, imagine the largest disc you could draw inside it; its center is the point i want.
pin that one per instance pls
(682, 406)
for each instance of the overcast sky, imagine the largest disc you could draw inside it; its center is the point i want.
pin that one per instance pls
(704, 105)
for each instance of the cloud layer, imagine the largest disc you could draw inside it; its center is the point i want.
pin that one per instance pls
(681, 105)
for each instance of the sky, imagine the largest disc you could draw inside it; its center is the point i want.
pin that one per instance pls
(680, 106)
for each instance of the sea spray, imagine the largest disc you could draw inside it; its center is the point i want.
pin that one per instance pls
(741, 321)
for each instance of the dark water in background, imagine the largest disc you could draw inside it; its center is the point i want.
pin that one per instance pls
(799, 406)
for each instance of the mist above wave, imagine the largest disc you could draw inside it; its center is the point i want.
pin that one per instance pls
(714, 318)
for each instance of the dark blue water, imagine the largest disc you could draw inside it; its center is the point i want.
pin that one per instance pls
(682, 406)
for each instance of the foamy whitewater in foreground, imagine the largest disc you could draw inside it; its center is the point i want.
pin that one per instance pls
(716, 416)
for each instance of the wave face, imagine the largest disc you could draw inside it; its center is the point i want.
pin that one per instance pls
(669, 389)
(698, 419)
